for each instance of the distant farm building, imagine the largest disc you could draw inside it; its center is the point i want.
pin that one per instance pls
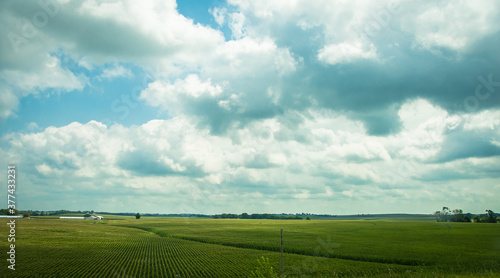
(11, 216)
(68, 217)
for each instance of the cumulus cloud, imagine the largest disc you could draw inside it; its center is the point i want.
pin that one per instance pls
(346, 52)
(262, 55)
(219, 15)
(169, 153)
(455, 25)
(461, 144)
(118, 71)
(378, 55)
(92, 33)
(8, 102)
(176, 156)
(170, 96)
(49, 75)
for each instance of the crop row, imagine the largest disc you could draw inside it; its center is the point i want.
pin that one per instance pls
(195, 248)
(131, 253)
(419, 244)
(299, 250)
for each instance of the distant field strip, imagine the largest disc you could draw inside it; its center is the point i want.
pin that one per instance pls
(256, 246)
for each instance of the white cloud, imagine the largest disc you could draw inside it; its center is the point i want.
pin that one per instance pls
(219, 15)
(346, 53)
(339, 20)
(251, 57)
(157, 19)
(303, 195)
(489, 119)
(85, 63)
(8, 102)
(456, 25)
(237, 25)
(46, 170)
(173, 96)
(417, 112)
(94, 33)
(177, 157)
(453, 24)
(49, 75)
(46, 74)
(32, 126)
(117, 71)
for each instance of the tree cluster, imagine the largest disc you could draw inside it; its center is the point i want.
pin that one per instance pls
(457, 215)
(45, 213)
(489, 217)
(37, 213)
(59, 212)
(7, 212)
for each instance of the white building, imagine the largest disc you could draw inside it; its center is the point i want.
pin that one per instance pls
(95, 217)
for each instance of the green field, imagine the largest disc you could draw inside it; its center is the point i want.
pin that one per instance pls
(194, 247)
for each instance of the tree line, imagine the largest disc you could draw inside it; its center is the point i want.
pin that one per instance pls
(47, 213)
(256, 216)
(7, 212)
(458, 215)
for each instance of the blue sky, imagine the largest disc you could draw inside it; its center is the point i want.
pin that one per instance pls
(251, 106)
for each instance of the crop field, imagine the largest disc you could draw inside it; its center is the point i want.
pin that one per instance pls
(195, 247)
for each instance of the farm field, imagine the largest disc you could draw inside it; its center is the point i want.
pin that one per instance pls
(194, 247)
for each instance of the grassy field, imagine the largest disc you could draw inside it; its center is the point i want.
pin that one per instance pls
(192, 247)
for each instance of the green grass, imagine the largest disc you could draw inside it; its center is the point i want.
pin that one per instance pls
(442, 247)
(190, 247)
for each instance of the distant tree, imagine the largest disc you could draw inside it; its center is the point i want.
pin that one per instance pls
(9, 212)
(308, 218)
(137, 216)
(458, 216)
(443, 215)
(61, 211)
(468, 219)
(87, 215)
(469, 216)
(477, 219)
(26, 214)
(492, 218)
(245, 216)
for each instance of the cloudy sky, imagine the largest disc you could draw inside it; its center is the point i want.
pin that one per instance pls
(334, 107)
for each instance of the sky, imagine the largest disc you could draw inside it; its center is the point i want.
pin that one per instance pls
(328, 106)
